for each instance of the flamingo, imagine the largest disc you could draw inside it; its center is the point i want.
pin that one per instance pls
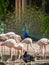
(3, 37)
(11, 43)
(12, 35)
(20, 47)
(28, 41)
(16, 37)
(42, 43)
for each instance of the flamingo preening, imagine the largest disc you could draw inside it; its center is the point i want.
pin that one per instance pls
(3, 37)
(10, 39)
(42, 43)
(16, 37)
(11, 35)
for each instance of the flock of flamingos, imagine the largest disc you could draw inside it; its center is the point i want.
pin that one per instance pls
(13, 40)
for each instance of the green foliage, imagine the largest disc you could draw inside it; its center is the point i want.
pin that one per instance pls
(2, 25)
(3, 7)
(10, 17)
(45, 25)
(30, 17)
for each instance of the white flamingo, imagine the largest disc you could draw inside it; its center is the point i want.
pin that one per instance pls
(11, 43)
(16, 37)
(3, 37)
(42, 43)
(12, 35)
(28, 41)
(21, 49)
(6, 36)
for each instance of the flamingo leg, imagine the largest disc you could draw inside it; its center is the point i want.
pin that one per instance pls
(19, 54)
(10, 53)
(43, 51)
(22, 51)
(27, 47)
(40, 51)
(4, 50)
(1, 51)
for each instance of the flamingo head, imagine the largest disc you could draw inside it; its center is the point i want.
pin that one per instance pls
(3, 37)
(19, 38)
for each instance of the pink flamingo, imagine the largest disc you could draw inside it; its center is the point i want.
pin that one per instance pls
(28, 41)
(43, 42)
(11, 43)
